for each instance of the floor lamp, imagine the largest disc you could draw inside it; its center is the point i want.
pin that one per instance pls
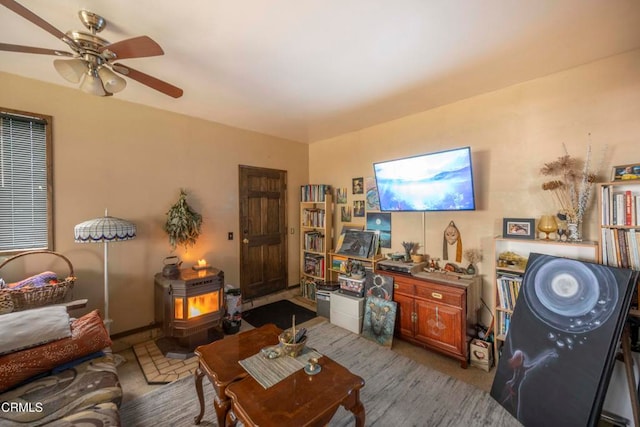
(105, 230)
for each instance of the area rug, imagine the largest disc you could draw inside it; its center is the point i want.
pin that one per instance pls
(398, 391)
(280, 313)
(158, 369)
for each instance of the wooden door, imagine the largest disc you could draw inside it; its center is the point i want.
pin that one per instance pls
(404, 315)
(439, 325)
(263, 231)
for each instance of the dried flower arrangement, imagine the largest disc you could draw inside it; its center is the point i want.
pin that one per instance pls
(410, 247)
(572, 188)
(183, 223)
(473, 255)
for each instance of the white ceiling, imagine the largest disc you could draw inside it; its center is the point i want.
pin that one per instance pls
(308, 70)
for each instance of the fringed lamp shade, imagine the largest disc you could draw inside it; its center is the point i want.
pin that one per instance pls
(108, 229)
(105, 230)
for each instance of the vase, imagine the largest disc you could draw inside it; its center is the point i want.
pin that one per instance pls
(471, 270)
(547, 225)
(574, 232)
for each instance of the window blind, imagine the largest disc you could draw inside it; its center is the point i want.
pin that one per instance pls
(24, 180)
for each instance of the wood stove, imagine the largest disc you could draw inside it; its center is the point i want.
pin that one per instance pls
(190, 309)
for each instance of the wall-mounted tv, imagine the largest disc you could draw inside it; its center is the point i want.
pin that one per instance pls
(440, 181)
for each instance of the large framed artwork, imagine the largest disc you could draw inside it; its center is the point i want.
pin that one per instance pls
(381, 221)
(378, 285)
(379, 320)
(559, 353)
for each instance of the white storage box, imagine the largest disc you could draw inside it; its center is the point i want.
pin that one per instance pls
(347, 311)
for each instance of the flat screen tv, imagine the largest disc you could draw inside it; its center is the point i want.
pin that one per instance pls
(440, 181)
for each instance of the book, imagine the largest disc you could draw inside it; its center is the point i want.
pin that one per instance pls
(622, 244)
(628, 207)
(633, 248)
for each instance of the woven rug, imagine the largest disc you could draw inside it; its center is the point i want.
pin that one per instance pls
(398, 391)
(158, 369)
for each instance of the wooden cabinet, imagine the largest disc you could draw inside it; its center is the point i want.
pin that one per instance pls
(432, 311)
(510, 256)
(316, 237)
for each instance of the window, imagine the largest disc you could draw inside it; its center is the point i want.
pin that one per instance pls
(26, 182)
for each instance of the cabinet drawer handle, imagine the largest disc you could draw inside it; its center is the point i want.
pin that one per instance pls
(436, 295)
(395, 286)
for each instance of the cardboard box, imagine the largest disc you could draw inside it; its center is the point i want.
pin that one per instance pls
(481, 354)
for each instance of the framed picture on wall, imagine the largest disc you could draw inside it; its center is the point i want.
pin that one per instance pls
(519, 228)
(358, 208)
(625, 172)
(357, 185)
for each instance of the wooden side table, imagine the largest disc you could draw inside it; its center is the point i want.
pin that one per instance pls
(298, 400)
(219, 362)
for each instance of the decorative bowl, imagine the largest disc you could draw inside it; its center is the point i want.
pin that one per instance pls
(291, 349)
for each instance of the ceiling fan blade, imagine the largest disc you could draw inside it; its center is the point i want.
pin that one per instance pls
(29, 49)
(137, 47)
(145, 79)
(30, 16)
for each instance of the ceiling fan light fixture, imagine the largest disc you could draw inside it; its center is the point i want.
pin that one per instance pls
(71, 69)
(92, 84)
(111, 81)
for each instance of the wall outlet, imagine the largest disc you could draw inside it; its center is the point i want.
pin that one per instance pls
(293, 230)
(230, 235)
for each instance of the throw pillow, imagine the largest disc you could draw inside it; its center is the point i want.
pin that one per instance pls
(30, 328)
(88, 335)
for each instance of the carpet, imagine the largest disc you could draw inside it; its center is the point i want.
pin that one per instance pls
(397, 391)
(279, 313)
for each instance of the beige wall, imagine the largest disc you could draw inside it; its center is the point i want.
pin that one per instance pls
(133, 160)
(512, 132)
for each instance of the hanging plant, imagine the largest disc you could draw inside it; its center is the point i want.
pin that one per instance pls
(183, 223)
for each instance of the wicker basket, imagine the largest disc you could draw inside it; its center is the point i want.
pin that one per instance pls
(32, 297)
(290, 349)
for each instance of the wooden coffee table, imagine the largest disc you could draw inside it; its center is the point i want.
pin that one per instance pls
(219, 362)
(298, 400)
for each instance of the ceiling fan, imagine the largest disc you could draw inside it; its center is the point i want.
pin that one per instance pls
(92, 62)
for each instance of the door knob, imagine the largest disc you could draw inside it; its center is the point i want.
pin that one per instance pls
(245, 240)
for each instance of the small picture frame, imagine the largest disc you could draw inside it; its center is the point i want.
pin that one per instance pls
(519, 228)
(357, 185)
(625, 172)
(358, 208)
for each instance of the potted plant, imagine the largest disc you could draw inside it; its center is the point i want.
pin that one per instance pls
(183, 223)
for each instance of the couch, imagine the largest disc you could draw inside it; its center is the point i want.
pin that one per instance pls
(57, 376)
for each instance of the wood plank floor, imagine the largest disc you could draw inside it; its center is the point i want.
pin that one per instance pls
(135, 385)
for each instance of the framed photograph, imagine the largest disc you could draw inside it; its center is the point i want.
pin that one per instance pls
(357, 185)
(345, 213)
(358, 208)
(625, 172)
(519, 228)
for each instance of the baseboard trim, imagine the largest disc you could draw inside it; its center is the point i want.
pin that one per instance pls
(120, 335)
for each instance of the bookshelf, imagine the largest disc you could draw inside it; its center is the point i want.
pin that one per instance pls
(316, 237)
(510, 259)
(619, 205)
